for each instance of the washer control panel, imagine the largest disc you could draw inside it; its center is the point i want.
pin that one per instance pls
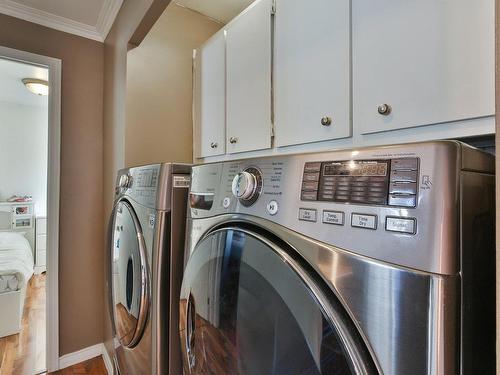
(392, 203)
(389, 182)
(140, 183)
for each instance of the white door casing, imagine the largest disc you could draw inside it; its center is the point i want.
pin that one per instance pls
(53, 191)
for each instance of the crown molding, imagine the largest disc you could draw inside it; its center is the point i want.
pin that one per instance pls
(107, 16)
(97, 32)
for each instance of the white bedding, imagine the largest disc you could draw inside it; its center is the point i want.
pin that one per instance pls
(16, 259)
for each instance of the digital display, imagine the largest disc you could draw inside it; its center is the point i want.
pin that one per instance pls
(356, 168)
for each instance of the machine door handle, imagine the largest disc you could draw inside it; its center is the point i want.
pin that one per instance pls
(190, 332)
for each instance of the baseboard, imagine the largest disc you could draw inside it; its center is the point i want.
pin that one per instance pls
(9, 332)
(108, 361)
(83, 355)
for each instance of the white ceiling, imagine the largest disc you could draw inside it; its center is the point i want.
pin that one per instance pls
(12, 90)
(221, 10)
(88, 18)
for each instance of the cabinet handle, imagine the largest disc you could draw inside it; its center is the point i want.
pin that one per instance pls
(233, 140)
(214, 145)
(326, 121)
(384, 109)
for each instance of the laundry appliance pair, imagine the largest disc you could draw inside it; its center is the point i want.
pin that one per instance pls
(370, 261)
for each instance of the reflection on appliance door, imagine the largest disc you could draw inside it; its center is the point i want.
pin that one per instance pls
(256, 315)
(128, 288)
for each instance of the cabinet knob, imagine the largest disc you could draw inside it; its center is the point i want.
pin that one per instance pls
(214, 145)
(233, 140)
(384, 109)
(326, 121)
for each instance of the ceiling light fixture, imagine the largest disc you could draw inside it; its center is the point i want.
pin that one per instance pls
(37, 86)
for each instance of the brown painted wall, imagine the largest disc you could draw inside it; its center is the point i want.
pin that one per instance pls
(159, 88)
(81, 224)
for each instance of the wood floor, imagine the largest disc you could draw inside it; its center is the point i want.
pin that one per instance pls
(93, 366)
(24, 353)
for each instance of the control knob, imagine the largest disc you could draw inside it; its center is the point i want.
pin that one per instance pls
(247, 185)
(125, 181)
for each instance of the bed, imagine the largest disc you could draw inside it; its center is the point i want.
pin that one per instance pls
(16, 269)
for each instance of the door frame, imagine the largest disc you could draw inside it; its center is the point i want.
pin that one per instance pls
(53, 193)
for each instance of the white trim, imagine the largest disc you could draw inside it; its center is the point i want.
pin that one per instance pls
(107, 15)
(53, 188)
(83, 355)
(108, 362)
(98, 32)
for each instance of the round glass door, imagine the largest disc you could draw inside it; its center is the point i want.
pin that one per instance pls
(246, 309)
(130, 278)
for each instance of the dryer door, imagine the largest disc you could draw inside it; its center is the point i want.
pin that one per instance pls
(249, 307)
(130, 277)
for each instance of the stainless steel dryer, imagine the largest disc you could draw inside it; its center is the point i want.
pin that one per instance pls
(147, 240)
(370, 261)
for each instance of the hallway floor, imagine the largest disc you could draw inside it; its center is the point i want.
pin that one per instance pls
(24, 353)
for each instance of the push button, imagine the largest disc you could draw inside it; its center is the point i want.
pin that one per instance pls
(403, 188)
(405, 164)
(402, 200)
(312, 167)
(272, 207)
(310, 186)
(309, 196)
(404, 176)
(311, 177)
(364, 221)
(307, 214)
(401, 225)
(333, 217)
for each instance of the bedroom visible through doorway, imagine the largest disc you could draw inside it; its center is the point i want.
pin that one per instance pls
(24, 129)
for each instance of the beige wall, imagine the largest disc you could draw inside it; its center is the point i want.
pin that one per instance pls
(159, 88)
(81, 224)
(134, 20)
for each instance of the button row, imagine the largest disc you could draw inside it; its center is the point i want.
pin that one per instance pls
(310, 181)
(403, 182)
(365, 221)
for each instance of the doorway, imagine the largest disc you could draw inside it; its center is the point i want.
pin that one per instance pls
(29, 211)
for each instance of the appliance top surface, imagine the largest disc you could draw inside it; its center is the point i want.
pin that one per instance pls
(395, 203)
(151, 185)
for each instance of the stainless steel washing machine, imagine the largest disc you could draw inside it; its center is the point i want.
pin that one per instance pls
(147, 234)
(371, 261)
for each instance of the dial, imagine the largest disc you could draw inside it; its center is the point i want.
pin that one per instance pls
(244, 185)
(247, 186)
(125, 181)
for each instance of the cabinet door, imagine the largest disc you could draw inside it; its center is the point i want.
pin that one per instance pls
(312, 92)
(429, 61)
(211, 64)
(248, 77)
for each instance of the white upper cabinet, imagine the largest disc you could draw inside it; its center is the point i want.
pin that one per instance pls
(312, 69)
(212, 96)
(422, 62)
(248, 79)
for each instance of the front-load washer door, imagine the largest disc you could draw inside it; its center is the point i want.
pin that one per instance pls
(249, 306)
(130, 276)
